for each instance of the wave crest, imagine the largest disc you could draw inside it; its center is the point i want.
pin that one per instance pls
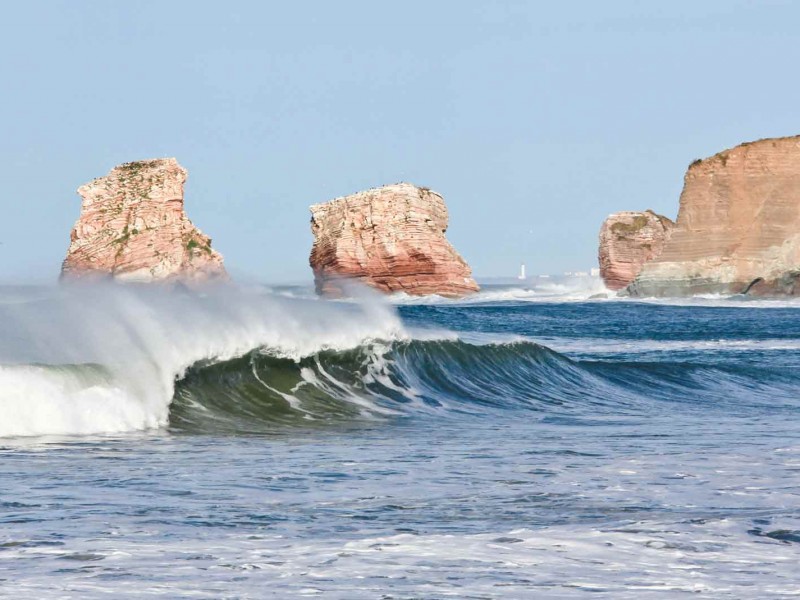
(145, 338)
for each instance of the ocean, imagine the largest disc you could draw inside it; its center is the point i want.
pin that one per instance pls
(522, 443)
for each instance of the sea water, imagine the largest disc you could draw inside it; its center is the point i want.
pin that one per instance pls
(519, 444)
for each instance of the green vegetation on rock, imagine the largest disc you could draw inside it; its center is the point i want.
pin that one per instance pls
(629, 228)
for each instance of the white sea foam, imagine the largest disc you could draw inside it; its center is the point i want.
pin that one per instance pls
(572, 290)
(52, 342)
(587, 289)
(716, 559)
(565, 562)
(561, 289)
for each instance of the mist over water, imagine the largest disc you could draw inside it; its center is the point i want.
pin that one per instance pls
(525, 442)
(103, 359)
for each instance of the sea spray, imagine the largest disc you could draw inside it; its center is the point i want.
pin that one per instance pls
(104, 358)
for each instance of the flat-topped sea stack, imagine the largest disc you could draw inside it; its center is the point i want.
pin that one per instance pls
(390, 238)
(133, 228)
(738, 228)
(627, 241)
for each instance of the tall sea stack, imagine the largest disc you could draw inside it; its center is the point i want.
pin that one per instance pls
(738, 227)
(133, 228)
(390, 238)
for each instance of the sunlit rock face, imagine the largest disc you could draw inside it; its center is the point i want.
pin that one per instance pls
(390, 238)
(133, 228)
(738, 228)
(627, 241)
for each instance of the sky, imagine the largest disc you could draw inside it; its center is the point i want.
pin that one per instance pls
(534, 120)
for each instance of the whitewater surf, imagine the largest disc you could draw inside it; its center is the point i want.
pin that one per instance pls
(105, 359)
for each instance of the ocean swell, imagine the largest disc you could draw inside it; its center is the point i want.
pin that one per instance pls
(428, 378)
(110, 359)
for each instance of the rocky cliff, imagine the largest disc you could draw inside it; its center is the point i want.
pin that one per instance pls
(738, 228)
(132, 227)
(390, 238)
(627, 241)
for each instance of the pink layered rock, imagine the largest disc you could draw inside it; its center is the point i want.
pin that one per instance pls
(738, 228)
(390, 238)
(133, 228)
(628, 240)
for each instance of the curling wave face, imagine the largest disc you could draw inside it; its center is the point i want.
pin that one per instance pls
(412, 378)
(105, 359)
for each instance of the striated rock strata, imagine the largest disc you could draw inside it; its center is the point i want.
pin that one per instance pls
(132, 227)
(627, 241)
(391, 238)
(738, 228)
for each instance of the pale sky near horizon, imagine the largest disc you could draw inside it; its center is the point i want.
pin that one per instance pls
(535, 120)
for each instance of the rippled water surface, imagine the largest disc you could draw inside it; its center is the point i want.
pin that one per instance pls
(497, 449)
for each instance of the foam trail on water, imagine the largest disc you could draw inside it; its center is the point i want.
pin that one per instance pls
(105, 358)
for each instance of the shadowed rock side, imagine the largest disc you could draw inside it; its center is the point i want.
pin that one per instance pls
(390, 238)
(133, 228)
(738, 227)
(627, 241)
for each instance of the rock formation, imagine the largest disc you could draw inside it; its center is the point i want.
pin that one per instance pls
(390, 238)
(738, 228)
(627, 241)
(132, 228)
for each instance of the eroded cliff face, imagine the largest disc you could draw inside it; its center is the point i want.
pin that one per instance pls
(738, 227)
(133, 228)
(390, 238)
(627, 241)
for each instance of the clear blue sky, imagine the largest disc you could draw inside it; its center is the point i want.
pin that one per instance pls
(534, 119)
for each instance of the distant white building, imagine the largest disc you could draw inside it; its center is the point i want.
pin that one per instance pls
(595, 272)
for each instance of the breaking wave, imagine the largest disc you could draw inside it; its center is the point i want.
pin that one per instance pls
(110, 359)
(105, 359)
